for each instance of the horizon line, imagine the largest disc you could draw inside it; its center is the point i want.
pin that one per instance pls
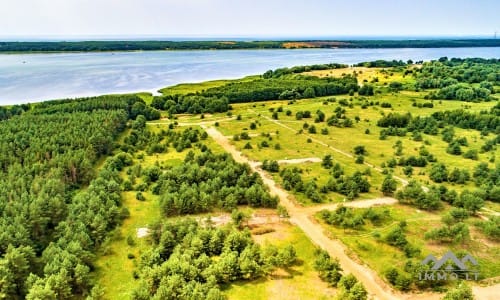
(202, 37)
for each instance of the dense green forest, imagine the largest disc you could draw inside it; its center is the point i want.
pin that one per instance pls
(208, 181)
(203, 45)
(50, 228)
(189, 261)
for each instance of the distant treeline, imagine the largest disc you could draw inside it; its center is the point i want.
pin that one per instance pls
(218, 99)
(88, 46)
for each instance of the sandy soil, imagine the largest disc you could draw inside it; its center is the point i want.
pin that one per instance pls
(142, 232)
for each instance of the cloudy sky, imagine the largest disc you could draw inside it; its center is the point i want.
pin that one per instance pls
(251, 18)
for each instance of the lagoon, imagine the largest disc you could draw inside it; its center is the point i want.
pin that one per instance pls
(28, 78)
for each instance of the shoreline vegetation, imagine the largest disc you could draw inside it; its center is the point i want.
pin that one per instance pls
(106, 46)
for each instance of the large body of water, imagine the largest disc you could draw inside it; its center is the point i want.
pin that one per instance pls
(35, 77)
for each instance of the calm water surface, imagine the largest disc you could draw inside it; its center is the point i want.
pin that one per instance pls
(35, 77)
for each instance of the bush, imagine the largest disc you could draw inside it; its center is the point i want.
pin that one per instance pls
(360, 150)
(312, 129)
(139, 196)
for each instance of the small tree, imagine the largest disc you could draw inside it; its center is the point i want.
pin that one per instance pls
(461, 292)
(239, 217)
(360, 150)
(282, 212)
(389, 185)
(139, 196)
(309, 93)
(327, 162)
(312, 129)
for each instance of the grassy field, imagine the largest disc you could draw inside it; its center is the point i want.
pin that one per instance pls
(186, 88)
(293, 141)
(380, 256)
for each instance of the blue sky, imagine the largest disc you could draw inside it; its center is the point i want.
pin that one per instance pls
(251, 18)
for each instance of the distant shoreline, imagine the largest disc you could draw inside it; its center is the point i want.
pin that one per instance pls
(155, 45)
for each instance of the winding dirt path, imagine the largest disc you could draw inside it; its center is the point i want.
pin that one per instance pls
(354, 204)
(294, 161)
(300, 216)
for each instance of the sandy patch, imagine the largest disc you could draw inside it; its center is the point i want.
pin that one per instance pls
(143, 232)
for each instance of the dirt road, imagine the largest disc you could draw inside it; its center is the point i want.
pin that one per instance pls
(354, 204)
(296, 161)
(300, 216)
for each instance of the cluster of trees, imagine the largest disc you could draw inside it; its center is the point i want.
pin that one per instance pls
(14, 110)
(488, 181)
(414, 194)
(346, 217)
(445, 72)
(350, 186)
(48, 236)
(461, 91)
(292, 180)
(133, 105)
(270, 166)
(455, 233)
(282, 88)
(439, 173)
(380, 63)
(491, 227)
(395, 120)
(330, 271)
(454, 78)
(189, 261)
(192, 104)
(301, 69)
(486, 121)
(208, 180)
(397, 238)
(491, 144)
(339, 119)
(461, 292)
(366, 90)
(140, 138)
